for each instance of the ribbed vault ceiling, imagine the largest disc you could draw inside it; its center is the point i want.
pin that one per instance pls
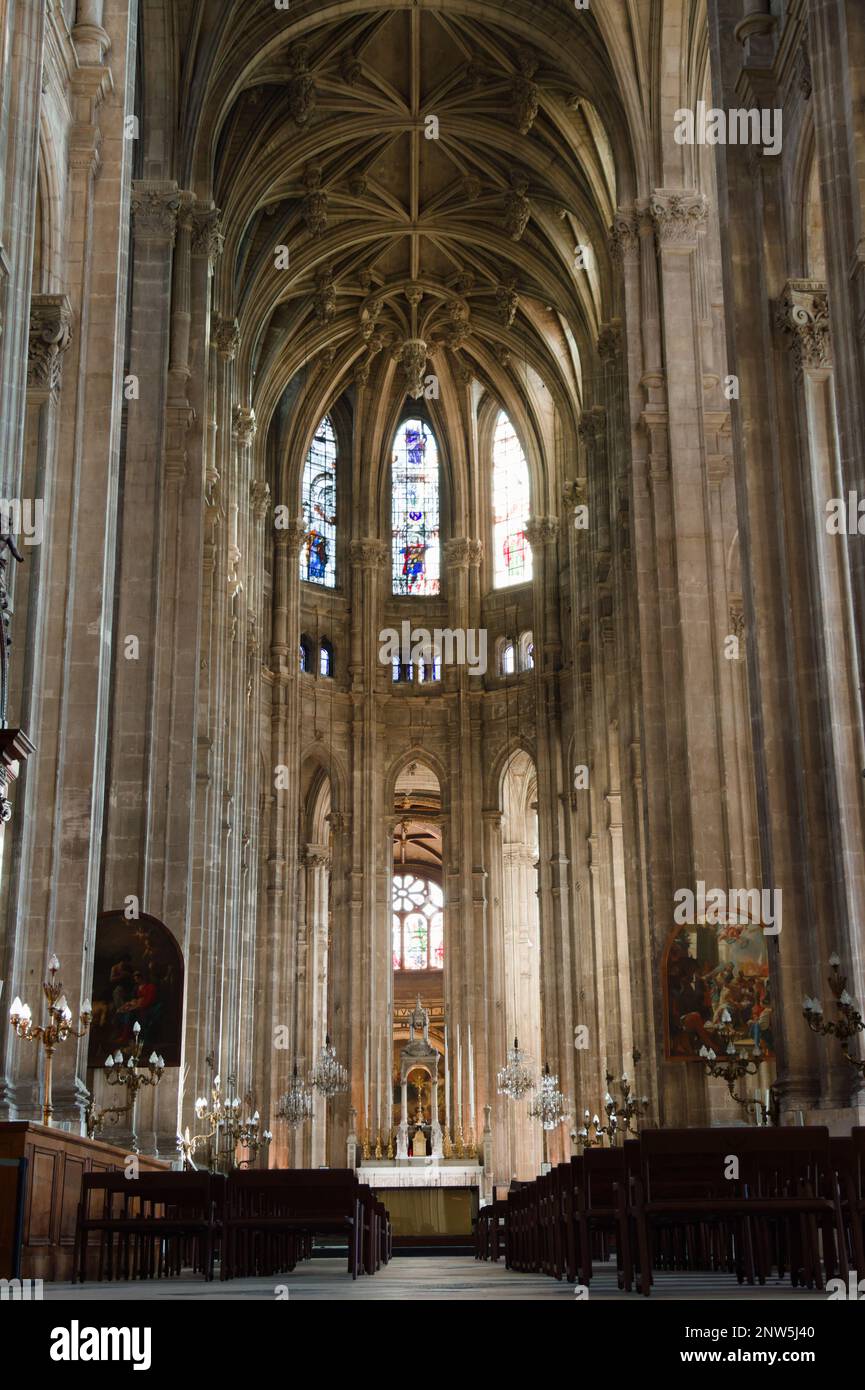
(445, 254)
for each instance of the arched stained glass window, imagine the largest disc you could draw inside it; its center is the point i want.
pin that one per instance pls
(418, 924)
(512, 555)
(318, 552)
(415, 511)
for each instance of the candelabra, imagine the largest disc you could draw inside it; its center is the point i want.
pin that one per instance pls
(295, 1105)
(127, 1074)
(56, 1030)
(735, 1065)
(549, 1104)
(516, 1078)
(227, 1128)
(621, 1118)
(849, 1022)
(591, 1136)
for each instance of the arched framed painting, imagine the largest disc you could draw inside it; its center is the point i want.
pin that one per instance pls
(137, 978)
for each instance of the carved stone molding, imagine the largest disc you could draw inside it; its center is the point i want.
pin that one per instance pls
(324, 299)
(610, 340)
(507, 302)
(50, 336)
(575, 493)
(369, 553)
(678, 216)
(301, 85)
(313, 209)
(207, 236)
(803, 317)
(592, 428)
(517, 207)
(412, 366)
(316, 857)
(243, 425)
(525, 94)
(737, 616)
(225, 336)
(155, 209)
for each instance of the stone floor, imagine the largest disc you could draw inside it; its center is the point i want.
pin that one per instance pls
(443, 1277)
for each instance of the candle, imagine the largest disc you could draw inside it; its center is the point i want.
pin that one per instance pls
(378, 1079)
(459, 1105)
(471, 1066)
(447, 1084)
(366, 1082)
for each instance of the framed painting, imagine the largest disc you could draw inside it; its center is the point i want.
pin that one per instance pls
(713, 971)
(137, 978)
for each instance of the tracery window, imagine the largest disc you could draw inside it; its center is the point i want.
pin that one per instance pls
(318, 552)
(418, 923)
(512, 555)
(415, 544)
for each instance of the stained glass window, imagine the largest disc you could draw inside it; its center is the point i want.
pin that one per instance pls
(509, 664)
(325, 660)
(415, 510)
(512, 555)
(318, 552)
(418, 924)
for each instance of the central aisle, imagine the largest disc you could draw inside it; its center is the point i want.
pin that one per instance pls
(418, 1277)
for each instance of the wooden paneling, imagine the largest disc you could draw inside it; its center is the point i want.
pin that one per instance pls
(57, 1161)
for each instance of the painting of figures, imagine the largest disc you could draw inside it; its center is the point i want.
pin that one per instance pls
(716, 978)
(137, 978)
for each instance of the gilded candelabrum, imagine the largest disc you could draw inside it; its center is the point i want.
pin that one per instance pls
(56, 1030)
(227, 1128)
(849, 1022)
(126, 1072)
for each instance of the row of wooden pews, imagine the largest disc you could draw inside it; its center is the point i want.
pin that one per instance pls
(255, 1224)
(757, 1203)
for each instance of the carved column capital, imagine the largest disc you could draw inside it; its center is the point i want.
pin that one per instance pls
(50, 336)
(457, 553)
(290, 537)
(243, 425)
(803, 317)
(225, 337)
(368, 553)
(155, 210)
(624, 240)
(207, 236)
(542, 530)
(259, 496)
(678, 215)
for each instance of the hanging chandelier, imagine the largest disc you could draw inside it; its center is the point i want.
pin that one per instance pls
(516, 1077)
(549, 1105)
(296, 1105)
(329, 1077)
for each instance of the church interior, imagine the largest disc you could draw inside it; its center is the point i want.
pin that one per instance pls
(432, 726)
